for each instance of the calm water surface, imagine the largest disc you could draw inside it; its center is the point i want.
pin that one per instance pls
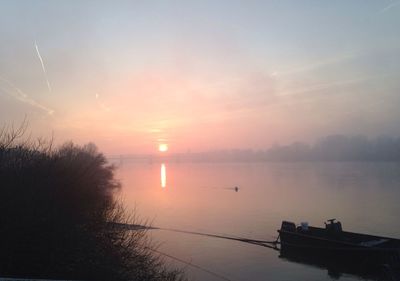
(201, 197)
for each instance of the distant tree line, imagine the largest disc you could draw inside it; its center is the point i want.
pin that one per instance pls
(339, 148)
(330, 148)
(59, 218)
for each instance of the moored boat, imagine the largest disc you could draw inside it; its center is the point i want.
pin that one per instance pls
(332, 240)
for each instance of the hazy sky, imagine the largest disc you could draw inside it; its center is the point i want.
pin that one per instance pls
(200, 75)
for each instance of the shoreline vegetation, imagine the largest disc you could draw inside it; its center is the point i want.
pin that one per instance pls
(331, 148)
(57, 211)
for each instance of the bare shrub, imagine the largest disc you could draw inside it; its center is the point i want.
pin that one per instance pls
(59, 217)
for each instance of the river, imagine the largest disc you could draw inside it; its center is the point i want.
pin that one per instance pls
(203, 197)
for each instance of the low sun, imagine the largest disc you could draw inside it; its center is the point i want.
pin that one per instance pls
(162, 147)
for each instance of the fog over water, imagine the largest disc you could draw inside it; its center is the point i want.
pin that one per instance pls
(201, 197)
(330, 148)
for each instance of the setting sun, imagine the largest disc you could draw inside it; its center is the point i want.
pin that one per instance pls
(163, 147)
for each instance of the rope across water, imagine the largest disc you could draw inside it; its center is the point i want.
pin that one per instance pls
(265, 243)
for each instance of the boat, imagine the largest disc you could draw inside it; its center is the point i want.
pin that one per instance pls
(338, 244)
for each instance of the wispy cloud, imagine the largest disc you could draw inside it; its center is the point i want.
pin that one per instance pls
(101, 104)
(9, 88)
(43, 67)
(390, 6)
(318, 64)
(309, 92)
(321, 87)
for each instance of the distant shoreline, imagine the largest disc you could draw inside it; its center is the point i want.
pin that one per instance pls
(334, 148)
(149, 159)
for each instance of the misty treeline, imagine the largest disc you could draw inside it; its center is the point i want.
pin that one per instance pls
(339, 148)
(58, 216)
(330, 148)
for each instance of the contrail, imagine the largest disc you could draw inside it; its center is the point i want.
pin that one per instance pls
(21, 96)
(390, 6)
(44, 69)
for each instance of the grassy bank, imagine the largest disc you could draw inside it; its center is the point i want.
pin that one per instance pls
(55, 209)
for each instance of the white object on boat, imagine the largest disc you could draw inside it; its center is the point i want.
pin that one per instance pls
(304, 226)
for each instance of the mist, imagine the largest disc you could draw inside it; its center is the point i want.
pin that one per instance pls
(330, 148)
(199, 76)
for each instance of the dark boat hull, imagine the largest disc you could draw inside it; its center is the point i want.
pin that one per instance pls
(339, 264)
(353, 246)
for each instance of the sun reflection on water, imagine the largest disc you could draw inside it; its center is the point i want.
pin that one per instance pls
(163, 176)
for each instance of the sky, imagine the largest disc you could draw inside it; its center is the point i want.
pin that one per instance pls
(199, 75)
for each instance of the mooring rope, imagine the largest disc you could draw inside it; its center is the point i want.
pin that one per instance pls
(265, 243)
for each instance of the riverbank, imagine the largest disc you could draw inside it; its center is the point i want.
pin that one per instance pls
(55, 209)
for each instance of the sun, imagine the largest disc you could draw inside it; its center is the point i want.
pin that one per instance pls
(163, 147)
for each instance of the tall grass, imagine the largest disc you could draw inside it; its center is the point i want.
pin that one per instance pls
(57, 209)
